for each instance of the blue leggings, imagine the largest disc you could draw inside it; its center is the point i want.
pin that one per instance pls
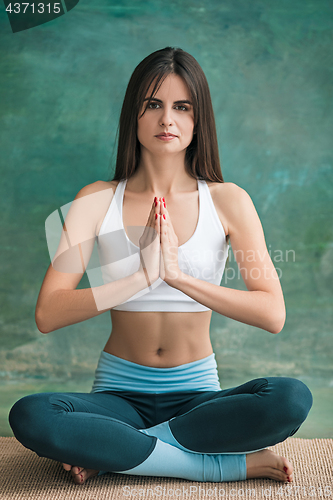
(101, 430)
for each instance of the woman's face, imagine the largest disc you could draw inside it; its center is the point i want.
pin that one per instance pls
(167, 124)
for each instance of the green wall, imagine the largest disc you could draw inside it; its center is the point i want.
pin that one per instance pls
(269, 66)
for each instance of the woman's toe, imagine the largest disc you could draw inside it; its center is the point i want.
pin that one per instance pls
(80, 475)
(287, 467)
(76, 469)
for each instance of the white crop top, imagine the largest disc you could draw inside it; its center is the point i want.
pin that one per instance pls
(203, 256)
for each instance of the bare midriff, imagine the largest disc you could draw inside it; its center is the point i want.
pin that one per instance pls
(160, 339)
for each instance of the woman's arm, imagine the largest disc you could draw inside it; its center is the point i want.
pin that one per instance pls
(59, 307)
(262, 305)
(59, 304)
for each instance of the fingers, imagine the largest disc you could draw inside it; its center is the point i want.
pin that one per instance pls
(158, 212)
(150, 245)
(151, 226)
(167, 232)
(163, 210)
(164, 219)
(151, 216)
(156, 218)
(163, 206)
(156, 208)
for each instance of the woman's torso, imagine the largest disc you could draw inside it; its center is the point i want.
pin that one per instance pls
(156, 338)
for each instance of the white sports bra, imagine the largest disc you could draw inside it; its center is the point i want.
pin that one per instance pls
(203, 256)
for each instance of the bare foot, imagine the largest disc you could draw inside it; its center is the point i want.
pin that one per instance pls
(266, 463)
(80, 475)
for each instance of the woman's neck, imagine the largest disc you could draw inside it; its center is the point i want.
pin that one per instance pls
(162, 175)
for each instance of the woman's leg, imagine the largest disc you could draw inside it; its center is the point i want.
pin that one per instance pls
(86, 430)
(250, 417)
(93, 430)
(236, 421)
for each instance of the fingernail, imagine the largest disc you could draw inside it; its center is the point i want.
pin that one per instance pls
(163, 199)
(156, 215)
(155, 203)
(164, 205)
(285, 469)
(163, 216)
(155, 199)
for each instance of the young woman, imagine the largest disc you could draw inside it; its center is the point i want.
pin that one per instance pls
(156, 407)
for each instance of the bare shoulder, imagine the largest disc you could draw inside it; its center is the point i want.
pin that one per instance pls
(228, 192)
(231, 202)
(96, 187)
(90, 206)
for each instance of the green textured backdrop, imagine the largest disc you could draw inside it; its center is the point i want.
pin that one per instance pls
(269, 66)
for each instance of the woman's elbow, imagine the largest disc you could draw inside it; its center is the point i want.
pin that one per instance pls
(277, 320)
(40, 322)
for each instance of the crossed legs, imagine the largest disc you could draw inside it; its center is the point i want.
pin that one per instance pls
(101, 431)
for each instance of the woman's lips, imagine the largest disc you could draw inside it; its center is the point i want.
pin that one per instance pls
(166, 137)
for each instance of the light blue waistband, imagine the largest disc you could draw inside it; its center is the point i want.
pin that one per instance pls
(118, 374)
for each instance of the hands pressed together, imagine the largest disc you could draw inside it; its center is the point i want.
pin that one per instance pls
(159, 246)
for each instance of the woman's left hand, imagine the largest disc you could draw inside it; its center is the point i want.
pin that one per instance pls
(169, 268)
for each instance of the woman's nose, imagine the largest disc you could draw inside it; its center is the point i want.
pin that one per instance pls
(166, 118)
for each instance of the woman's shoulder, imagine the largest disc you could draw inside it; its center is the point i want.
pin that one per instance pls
(231, 202)
(97, 195)
(227, 193)
(96, 187)
(92, 202)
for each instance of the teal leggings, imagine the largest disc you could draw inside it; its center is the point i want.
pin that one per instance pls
(102, 430)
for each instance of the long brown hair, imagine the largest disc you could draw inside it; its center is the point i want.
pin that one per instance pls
(202, 156)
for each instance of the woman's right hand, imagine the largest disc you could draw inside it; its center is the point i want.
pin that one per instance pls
(150, 248)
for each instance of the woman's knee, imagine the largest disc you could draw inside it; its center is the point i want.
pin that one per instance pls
(20, 414)
(300, 399)
(28, 420)
(293, 400)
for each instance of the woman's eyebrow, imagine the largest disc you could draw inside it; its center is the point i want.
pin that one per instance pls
(182, 101)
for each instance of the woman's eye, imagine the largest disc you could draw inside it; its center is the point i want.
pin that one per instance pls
(181, 108)
(153, 105)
